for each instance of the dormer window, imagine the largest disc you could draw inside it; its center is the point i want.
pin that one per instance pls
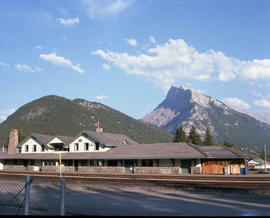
(76, 148)
(86, 148)
(97, 146)
(80, 140)
(35, 148)
(26, 148)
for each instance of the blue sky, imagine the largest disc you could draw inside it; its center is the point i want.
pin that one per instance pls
(127, 53)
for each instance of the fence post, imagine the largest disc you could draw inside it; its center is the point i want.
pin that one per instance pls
(27, 195)
(63, 190)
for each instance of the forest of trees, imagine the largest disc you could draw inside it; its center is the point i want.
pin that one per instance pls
(195, 138)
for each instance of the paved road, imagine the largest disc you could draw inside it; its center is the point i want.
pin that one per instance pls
(156, 201)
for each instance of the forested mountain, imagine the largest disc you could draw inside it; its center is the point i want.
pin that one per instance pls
(56, 115)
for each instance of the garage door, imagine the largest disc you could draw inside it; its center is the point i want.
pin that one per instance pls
(213, 167)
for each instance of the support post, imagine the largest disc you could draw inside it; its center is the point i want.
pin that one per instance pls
(265, 169)
(63, 190)
(27, 195)
(245, 164)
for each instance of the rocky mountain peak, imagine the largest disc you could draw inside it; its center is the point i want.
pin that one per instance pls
(186, 107)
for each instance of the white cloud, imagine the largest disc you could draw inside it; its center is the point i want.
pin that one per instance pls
(152, 40)
(5, 113)
(61, 61)
(174, 61)
(262, 103)
(236, 102)
(132, 42)
(101, 97)
(3, 64)
(97, 9)
(38, 47)
(68, 22)
(27, 68)
(106, 67)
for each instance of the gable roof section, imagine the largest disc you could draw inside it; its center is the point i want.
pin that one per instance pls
(40, 138)
(45, 139)
(111, 138)
(104, 138)
(220, 152)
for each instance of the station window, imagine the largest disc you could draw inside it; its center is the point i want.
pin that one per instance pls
(76, 148)
(83, 162)
(97, 146)
(92, 163)
(86, 147)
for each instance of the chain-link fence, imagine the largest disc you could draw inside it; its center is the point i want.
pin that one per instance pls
(31, 196)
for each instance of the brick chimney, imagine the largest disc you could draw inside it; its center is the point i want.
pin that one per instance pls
(13, 141)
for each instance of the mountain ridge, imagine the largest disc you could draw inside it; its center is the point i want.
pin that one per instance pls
(187, 107)
(54, 114)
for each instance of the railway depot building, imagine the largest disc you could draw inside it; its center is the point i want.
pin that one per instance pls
(108, 153)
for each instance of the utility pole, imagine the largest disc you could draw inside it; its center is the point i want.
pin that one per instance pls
(265, 158)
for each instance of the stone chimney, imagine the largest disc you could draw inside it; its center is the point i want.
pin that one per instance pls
(13, 141)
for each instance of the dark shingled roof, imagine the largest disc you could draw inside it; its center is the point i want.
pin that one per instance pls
(220, 152)
(142, 151)
(111, 138)
(65, 139)
(43, 138)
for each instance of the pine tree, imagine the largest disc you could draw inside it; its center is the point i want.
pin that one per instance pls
(176, 136)
(208, 138)
(180, 135)
(194, 136)
(227, 144)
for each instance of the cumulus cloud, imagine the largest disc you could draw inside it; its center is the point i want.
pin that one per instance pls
(68, 22)
(61, 61)
(101, 97)
(236, 102)
(105, 8)
(3, 64)
(106, 67)
(132, 42)
(5, 113)
(27, 68)
(175, 60)
(262, 103)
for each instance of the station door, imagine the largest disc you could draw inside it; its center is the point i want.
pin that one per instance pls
(186, 166)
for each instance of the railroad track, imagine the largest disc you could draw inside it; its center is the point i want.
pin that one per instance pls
(223, 178)
(256, 183)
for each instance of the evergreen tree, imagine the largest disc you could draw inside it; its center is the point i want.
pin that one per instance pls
(21, 135)
(227, 144)
(194, 136)
(208, 138)
(180, 135)
(176, 136)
